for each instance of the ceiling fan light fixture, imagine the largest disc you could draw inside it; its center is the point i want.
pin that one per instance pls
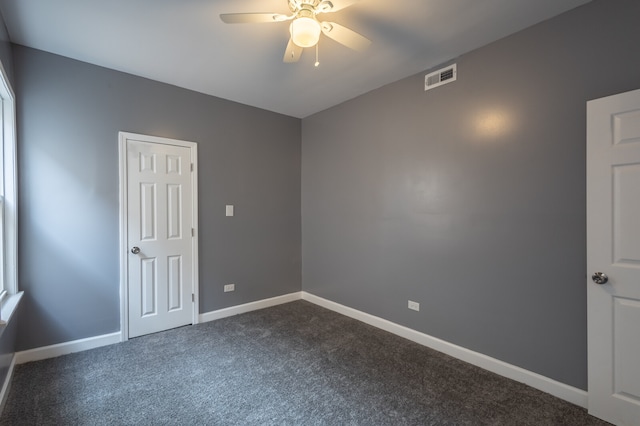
(305, 32)
(304, 27)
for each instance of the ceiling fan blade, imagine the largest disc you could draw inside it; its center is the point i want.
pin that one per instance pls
(345, 36)
(334, 5)
(253, 18)
(293, 52)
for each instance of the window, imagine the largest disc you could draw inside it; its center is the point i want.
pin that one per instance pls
(8, 190)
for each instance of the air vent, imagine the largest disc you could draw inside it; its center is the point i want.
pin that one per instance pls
(440, 77)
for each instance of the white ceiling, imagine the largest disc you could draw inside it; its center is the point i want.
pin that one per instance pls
(184, 43)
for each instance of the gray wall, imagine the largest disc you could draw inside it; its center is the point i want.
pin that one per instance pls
(69, 115)
(405, 195)
(6, 53)
(470, 198)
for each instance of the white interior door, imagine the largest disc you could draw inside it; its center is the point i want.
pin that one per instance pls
(160, 228)
(613, 239)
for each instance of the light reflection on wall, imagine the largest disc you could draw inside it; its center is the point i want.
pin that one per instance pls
(493, 124)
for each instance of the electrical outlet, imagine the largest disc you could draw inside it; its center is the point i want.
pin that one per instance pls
(415, 306)
(229, 287)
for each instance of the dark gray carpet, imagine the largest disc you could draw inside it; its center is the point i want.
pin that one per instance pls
(294, 364)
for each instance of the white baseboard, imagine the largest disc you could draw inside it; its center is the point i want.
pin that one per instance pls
(248, 307)
(6, 386)
(53, 351)
(568, 393)
(67, 347)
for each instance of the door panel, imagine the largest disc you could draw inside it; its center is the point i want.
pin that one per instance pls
(626, 348)
(174, 209)
(147, 211)
(613, 247)
(626, 211)
(160, 276)
(175, 282)
(148, 287)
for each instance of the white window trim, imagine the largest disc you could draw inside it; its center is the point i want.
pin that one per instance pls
(10, 168)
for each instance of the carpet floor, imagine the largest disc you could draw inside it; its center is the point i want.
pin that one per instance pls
(293, 364)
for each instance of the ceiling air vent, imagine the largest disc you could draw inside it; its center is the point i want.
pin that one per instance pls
(440, 77)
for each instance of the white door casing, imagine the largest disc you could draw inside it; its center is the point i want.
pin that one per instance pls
(158, 211)
(613, 248)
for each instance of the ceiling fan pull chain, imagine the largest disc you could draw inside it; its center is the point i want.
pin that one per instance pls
(317, 60)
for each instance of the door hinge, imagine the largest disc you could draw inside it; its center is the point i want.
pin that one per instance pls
(191, 166)
(193, 297)
(193, 232)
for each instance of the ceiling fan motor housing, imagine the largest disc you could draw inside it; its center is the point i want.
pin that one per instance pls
(296, 5)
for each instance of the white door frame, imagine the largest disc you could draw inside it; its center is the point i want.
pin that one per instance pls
(124, 249)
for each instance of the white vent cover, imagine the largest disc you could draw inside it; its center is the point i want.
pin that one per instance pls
(440, 77)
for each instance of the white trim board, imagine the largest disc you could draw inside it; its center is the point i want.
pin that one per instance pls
(6, 386)
(65, 348)
(568, 393)
(248, 307)
(563, 391)
(80, 345)
(9, 307)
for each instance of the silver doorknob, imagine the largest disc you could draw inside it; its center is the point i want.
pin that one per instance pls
(135, 250)
(600, 278)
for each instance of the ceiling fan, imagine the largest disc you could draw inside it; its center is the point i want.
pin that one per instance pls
(305, 28)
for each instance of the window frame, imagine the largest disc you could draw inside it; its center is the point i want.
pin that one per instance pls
(8, 190)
